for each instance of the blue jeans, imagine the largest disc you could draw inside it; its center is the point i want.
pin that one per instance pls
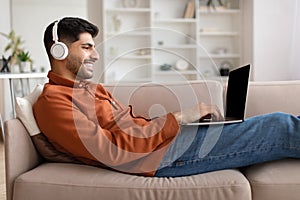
(209, 148)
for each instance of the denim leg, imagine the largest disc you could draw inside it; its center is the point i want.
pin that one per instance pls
(256, 140)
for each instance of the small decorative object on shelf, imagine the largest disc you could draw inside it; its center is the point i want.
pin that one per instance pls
(25, 67)
(143, 52)
(181, 65)
(224, 71)
(210, 3)
(5, 67)
(117, 23)
(225, 67)
(209, 29)
(220, 50)
(160, 43)
(165, 67)
(157, 15)
(131, 3)
(24, 61)
(43, 69)
(113, 51)
(208, 73)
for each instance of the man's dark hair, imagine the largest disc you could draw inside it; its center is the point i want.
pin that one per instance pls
(68, 31)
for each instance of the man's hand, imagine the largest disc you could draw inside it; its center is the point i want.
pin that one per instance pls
(198, 112)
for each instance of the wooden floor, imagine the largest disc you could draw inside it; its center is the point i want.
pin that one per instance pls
(2, 174)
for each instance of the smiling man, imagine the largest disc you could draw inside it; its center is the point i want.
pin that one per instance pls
(80, 48)
(83, 121)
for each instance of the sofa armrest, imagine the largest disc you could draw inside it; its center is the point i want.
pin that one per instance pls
(20, 153)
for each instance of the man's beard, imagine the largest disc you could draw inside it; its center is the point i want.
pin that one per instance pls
(76, 66)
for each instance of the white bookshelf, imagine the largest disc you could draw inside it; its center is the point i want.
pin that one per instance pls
(155, 33)
(220, 34)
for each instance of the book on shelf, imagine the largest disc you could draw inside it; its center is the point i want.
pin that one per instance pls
(189, 9)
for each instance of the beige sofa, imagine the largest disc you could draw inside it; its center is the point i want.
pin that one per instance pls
(28, 177)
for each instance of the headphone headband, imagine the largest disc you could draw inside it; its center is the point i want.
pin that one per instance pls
(59, 50)
(54, 31)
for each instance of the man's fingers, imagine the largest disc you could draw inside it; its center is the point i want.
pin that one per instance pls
(215, 113)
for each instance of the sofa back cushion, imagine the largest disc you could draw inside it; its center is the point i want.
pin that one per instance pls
(155, 99)
(276, 96)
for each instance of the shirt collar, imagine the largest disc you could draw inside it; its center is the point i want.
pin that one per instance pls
(57, 79)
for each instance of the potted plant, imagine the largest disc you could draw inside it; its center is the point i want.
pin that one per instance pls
(14, 46)
(24, 61)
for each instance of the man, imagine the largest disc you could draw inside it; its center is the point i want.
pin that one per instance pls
(84, 121)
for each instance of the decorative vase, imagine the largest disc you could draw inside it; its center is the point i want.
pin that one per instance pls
(14, 68)
(25, 67)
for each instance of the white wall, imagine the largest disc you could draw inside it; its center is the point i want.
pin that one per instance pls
(5, 22)
(31, 17)
(295, 58)
(272, 34)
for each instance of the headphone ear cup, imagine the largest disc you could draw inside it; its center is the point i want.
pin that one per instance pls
(59, 50)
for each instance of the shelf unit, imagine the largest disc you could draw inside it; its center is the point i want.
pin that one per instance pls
(139, 39)
(220, 36)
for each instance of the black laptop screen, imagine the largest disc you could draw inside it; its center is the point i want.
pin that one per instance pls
(237, 92)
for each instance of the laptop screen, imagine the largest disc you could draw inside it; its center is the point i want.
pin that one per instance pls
(237, 92)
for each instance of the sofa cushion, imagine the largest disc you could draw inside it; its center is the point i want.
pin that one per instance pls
(70, 181)
(275, 180)
(24, 110)
(49, 152)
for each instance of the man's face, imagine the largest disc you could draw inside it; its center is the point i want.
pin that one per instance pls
(82, 57)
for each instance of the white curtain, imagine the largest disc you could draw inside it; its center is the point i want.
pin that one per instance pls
(295, 45)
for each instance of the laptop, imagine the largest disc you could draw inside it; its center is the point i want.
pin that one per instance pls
(236, 96)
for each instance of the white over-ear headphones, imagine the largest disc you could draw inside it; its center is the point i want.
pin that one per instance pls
(59, 50)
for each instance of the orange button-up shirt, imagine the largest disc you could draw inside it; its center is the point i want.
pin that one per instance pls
(83, 120)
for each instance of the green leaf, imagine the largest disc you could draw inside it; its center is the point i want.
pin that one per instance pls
(11, 34)
(3, 34)
(7, 47)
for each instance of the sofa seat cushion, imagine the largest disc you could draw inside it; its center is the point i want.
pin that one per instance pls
(63, 181)
(275, 180)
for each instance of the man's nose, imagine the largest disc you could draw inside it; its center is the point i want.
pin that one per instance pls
(95, 54)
